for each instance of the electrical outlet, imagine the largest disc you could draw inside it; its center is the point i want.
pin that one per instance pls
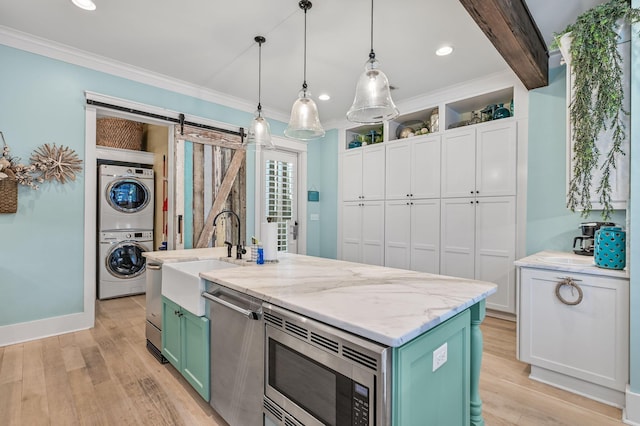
(439, 357)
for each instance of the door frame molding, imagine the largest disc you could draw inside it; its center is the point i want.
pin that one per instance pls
(295, 147)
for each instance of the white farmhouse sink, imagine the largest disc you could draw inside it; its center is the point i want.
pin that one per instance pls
(572, 261)
(182, 284)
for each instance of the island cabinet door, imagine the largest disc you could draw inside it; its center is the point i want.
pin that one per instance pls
(431, 376)
(195, 352)
(171, 334)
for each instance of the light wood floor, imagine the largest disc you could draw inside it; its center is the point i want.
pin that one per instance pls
(106, 376)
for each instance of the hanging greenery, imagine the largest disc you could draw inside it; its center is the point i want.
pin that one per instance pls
(598, 96)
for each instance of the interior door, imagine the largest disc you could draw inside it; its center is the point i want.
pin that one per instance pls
(280, 177)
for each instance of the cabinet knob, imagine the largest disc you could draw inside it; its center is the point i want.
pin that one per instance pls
(407, 203)
(176, 312)
(477, 192)
(477, 201)
(407, 195)
(411, 203)
(472, 192)
(471, 202)
(411, 195)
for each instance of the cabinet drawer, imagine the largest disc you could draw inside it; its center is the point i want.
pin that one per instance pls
(589, 340)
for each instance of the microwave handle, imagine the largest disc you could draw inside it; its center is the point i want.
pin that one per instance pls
(246, 312)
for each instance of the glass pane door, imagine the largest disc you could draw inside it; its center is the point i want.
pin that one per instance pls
(279, 173)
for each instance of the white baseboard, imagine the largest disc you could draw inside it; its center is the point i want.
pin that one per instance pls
(631, 413)
(32, 330)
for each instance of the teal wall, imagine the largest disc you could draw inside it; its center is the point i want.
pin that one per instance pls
(322, 165)
(41, 246)
(634, 215)
(550, 225)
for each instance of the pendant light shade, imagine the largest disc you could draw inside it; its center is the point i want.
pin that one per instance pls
(304, 123)
(372, 103)
(259, 133)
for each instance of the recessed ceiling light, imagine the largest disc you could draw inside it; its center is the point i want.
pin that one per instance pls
(85, 4)
(324, 97)
(444, 51)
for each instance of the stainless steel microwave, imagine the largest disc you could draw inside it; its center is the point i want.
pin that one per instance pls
(318, 375)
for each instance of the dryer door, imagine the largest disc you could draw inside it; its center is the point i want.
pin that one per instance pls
(128, 195)
(125, 260)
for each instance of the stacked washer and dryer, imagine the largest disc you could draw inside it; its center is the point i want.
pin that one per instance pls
(125, 224)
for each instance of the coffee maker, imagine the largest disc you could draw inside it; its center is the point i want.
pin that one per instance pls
(585, 247)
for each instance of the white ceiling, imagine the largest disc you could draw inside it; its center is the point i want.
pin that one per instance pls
(209, 43)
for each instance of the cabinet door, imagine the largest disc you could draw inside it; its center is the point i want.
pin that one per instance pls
(425, 236)
(496, 159)
(398, 170)
(171, 346)
(398, 230)
(458, 163)
(352, 175)
(351, 232)
(457, 237)
(373, 233)
(195, 352)
(495, 249)
(425, 167)
(373, 175)
(589, 340)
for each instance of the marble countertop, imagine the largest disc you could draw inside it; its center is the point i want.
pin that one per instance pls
(173, 256)
(569, 262)
(389, 306)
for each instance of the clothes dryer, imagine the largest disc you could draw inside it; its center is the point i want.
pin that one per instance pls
(121, 266)
(126, 198)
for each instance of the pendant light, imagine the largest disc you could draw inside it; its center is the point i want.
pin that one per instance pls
(372, 103)
(304, 123)
(259, 133)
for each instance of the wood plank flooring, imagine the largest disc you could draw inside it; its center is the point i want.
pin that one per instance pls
(106, 376)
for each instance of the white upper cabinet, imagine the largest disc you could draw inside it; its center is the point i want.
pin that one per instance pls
(480, 161)
(363, 173)
(459, 163)
(413, 168)
(496, 159)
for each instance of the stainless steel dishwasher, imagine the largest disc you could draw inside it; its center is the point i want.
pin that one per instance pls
(153, 329)
(237, 357)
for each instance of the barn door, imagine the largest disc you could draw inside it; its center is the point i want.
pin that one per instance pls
(210, 177)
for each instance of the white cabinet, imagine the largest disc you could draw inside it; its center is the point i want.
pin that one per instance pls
(363, 173)
(412, 235)
(363, 232)
(478, 238)
(413, 168)
(582, 347)
(480, 160)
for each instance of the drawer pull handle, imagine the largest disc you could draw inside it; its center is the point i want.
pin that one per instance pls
(571, 283)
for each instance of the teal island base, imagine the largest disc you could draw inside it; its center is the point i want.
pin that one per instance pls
(436, 375)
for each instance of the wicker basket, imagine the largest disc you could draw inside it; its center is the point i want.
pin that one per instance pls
(8, 195)
(119, 133)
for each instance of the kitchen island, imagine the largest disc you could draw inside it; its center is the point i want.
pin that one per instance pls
(392, 307)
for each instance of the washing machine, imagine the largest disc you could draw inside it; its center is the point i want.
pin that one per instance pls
(121, 266)
(125, 197)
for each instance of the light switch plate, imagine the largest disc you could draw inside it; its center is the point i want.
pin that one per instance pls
(314, 216)
(439, 356)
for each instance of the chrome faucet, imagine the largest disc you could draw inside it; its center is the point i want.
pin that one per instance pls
(239, 249)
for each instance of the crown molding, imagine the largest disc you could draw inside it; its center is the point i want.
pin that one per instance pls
(50, 49)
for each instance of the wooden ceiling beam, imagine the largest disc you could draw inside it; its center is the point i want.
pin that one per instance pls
(512, 30)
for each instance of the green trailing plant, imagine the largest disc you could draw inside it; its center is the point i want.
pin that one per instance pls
(597, 104)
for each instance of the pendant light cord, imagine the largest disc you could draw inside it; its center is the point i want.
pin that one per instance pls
(372, 55)
(260, 74)
(304, 82)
